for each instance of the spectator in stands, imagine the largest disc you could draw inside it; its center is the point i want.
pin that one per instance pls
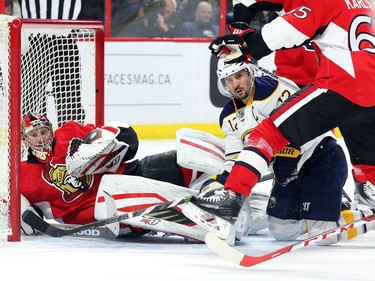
(166, 23)
(155, 18)
(186, 10)
(123, 13)
(201, 26)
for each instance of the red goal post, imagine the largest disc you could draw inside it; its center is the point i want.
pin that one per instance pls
(49, 66)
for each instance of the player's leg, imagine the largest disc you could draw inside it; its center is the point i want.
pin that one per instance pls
(323, 184)
(284, 221)
(358, 139)
(315, 195)
(162, 167)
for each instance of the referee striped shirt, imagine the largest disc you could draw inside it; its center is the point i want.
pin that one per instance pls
(51, 9)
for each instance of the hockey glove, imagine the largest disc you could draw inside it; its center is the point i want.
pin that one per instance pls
(98, 152)
(232, 48)
(25, 205)
(285, 165)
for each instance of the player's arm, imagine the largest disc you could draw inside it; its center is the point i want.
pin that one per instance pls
(245, 10)
(288, 31)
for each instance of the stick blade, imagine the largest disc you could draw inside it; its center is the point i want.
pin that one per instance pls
(222, 249)
(39, 224)
(229, 253)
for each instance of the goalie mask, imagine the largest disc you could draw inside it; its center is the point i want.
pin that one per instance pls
(226, 73)
(37, 135)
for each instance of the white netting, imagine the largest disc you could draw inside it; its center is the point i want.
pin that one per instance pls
(58, 77)
(58, 74)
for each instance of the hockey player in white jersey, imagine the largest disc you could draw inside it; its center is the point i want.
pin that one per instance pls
(307, 191)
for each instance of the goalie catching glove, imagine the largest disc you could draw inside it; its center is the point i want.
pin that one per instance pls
(97, 153)
(232, 48)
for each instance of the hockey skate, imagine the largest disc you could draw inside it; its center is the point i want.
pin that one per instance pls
(223, 204)
(364, 193)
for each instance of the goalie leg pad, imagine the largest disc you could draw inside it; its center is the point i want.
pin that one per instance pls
(132, 193)
(200, 151)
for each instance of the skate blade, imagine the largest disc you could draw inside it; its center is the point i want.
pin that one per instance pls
(208, 221)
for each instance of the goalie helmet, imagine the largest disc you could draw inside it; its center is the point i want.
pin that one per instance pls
(225, 70)
(37, 135)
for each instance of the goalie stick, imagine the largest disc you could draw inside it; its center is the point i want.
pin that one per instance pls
(94, 232)
(40, 224)
(229, 253)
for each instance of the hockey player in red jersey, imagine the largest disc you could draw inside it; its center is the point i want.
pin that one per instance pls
(343, 35)
(297, 64)
(64, 169)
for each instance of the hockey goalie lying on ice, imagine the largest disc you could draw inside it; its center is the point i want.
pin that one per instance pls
(67, 171)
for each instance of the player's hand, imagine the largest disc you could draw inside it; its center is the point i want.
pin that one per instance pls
(231, 48)
(285, 165)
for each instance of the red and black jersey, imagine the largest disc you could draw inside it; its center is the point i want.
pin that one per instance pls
(53, 190)
(297, 64)
(343, 36)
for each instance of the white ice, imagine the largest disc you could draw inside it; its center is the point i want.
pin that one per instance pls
(155, 258)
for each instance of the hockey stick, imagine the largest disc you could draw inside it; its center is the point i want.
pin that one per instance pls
(277, 78)
(94, 232)
(229, 253)
(38, 223)
(53, 230)
(267, 177)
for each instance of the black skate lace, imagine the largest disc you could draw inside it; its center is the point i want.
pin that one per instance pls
(218, 196)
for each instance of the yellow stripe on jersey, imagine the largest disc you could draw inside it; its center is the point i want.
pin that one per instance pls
(245, 134)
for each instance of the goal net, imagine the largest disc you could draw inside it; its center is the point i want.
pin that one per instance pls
(46, 66)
